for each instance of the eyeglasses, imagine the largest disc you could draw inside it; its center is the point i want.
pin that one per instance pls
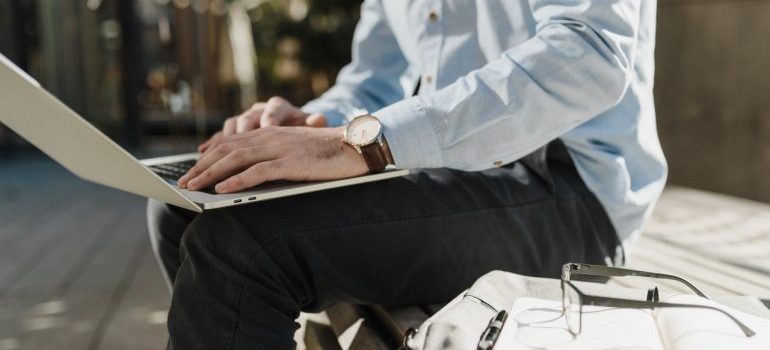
(573, 298)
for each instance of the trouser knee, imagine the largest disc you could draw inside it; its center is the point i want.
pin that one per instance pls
(166, 225)
(224, 243)
(229, 276)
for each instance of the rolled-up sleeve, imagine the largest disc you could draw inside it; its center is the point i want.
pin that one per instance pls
(373, 79)
(578, 65)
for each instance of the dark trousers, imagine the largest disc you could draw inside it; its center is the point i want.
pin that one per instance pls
(241, 275)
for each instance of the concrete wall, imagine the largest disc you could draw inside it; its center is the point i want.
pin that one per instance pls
(713, 94)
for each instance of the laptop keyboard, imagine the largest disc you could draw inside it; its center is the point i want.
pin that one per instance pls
(172, 171)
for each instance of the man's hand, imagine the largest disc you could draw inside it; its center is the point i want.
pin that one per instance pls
(247, 159)
(275, 112)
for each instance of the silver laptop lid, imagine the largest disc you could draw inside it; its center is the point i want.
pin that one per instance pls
(62, 134)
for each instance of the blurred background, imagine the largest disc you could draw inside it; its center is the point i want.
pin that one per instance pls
(160, 75)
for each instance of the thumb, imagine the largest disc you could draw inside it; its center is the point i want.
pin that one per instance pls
(316, 120)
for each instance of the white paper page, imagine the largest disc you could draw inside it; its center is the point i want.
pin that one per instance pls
(538, 324)
(696, 329)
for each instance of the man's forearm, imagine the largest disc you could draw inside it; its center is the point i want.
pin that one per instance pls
(577, 66)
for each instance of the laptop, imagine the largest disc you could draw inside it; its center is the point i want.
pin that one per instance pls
(44, 121)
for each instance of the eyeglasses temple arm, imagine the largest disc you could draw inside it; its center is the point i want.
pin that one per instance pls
(623, 303)
(599, 270)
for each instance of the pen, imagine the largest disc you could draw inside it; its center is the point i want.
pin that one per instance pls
(489, 337)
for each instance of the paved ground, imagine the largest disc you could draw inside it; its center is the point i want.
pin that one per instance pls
(76, 271)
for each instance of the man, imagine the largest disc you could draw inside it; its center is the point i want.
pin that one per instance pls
(534, 124)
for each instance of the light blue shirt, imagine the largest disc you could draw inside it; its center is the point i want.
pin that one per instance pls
(501, 78)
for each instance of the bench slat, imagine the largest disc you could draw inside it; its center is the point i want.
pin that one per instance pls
(320, 337)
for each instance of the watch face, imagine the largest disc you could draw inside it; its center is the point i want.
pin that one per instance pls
(363, 131)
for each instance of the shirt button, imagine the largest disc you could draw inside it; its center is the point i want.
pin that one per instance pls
(433, 16)
(429, 79)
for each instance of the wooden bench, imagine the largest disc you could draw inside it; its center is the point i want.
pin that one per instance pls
(365, 327)
(720, 243)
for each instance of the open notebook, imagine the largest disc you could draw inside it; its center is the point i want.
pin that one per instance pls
(538, 324)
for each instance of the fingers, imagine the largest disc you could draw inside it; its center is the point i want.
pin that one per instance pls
(253, 176)
(277, 112)
(206, 160)
(204, 146)
(244, 136)
(229, 127)
(216, 151)
(223, 163)
(249, 120)
(270, 114)
(316, 120)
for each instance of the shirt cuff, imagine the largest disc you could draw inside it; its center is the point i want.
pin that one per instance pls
(410, 135)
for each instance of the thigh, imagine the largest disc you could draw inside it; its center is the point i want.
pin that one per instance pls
(420, 238)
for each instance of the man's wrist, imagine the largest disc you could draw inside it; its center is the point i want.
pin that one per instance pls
(357, 161)
(364, 134)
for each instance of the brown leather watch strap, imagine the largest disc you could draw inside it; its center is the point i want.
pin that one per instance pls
(377, 155)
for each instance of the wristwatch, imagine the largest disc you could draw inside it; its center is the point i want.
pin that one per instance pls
(364, 134)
